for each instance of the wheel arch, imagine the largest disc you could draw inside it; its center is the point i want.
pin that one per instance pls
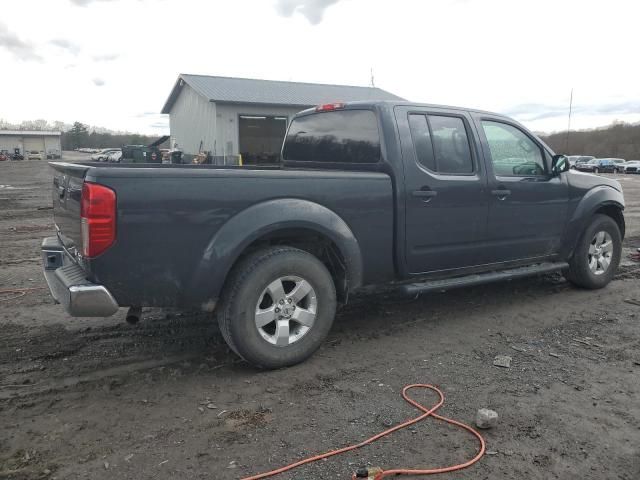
(614, 210)
(600, 200)
(293, 222)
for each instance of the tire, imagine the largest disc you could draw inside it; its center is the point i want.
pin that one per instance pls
(595, 170)
(248, 293)
(580, 272)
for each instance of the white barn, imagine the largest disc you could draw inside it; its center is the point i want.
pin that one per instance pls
(31, 141)
(231, 116)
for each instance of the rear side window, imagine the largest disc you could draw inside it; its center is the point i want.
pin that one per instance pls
(421, 137)
(441, 143)
(344, 136)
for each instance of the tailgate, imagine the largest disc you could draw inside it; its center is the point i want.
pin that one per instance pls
(67, 191)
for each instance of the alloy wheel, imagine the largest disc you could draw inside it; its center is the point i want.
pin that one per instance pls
(600, 253)
(286, 310)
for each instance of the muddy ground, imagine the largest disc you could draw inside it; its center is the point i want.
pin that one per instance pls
(101, 399)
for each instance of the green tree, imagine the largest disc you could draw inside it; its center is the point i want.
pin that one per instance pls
(77, 136)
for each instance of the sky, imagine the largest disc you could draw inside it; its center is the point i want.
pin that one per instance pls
(112, 63)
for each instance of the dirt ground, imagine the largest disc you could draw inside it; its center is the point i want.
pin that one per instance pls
(101, 399)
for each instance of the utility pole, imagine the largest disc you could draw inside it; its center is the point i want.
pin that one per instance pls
(569, 125)
(372, 82)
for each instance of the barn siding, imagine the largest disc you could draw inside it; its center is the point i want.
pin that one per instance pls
(192, 121)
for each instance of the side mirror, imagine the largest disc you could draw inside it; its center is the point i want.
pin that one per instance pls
(559, 164)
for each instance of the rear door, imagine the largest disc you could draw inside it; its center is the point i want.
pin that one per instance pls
(445, 189)
(527, 205)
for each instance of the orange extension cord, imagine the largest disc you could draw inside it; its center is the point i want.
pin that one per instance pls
(399, 471)
(19, 292)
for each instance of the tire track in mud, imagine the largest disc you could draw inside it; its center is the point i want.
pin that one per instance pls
(53, 358)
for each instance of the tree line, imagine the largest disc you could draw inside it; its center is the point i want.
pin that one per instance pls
(80, 135)
(618, 140)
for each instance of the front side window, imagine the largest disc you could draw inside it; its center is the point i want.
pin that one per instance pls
(441, 143)
(343, 136)
(513, 153)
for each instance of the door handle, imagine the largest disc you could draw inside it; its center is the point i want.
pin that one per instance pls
(501, 193)
(424, 193)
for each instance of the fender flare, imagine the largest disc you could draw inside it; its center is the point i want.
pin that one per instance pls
(596, 198)
(256, 221)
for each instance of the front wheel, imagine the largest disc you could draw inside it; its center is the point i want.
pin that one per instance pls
(277, 307)
(595, 170)
(597, 255)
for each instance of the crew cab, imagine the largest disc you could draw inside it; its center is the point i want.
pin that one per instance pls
(426, 197)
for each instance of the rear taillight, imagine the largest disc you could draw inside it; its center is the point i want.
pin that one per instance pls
(98, 216)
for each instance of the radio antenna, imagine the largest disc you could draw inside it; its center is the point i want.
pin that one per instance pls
(569, 124)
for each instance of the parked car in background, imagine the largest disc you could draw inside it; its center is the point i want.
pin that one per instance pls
(589, 166)
(35, 155)
(114, 157)
(4, 155)
(606, 165)
(102, 155)
(632, 166)
(576, 159)
(602, 165)
(619, 164)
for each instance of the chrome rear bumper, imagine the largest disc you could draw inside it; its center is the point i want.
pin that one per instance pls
(68, 284)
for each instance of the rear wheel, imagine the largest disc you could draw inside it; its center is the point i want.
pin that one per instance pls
(277, 307)
(597, 255)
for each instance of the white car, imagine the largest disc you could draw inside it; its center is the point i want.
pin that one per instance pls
(102, 155)
(114, 156)
(632, 166)
(35, 155)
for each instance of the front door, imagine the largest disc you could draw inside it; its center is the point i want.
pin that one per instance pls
(445, 200)
(527, 205)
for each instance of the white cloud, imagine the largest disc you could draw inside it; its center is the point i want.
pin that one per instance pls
(84, 3)
(107, 57)
(313, 10)
(64, 44)
(20, 49)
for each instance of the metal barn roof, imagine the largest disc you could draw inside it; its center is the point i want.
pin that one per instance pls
(24, 133)
(271, 92)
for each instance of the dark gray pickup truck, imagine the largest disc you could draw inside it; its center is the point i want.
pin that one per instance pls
(428, 197)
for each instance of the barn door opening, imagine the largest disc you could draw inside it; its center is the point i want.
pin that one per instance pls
(260, 138)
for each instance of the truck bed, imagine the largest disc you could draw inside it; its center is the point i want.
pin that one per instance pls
(169, 219)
